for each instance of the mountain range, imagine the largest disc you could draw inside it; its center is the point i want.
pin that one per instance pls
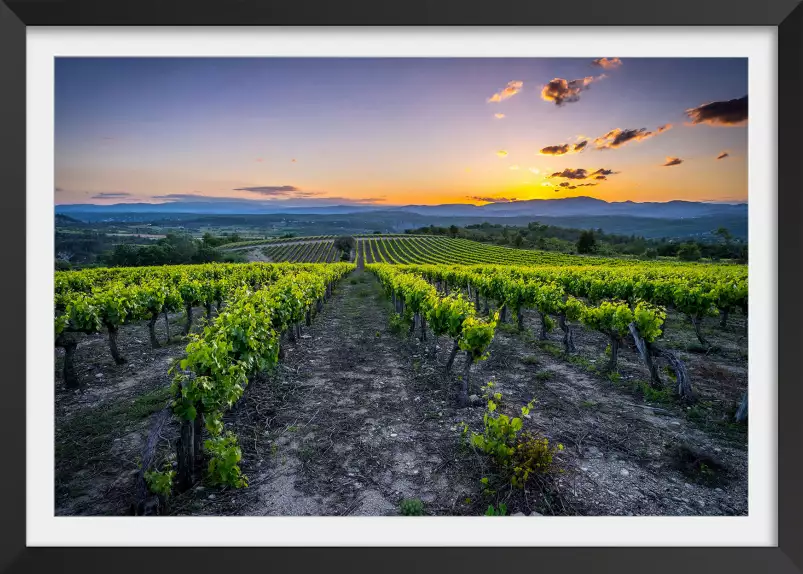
(564, 207)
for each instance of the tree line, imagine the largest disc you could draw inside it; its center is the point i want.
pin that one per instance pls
(721, 245)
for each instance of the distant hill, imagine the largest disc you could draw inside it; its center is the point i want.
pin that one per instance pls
(65, 220)
(564, 207)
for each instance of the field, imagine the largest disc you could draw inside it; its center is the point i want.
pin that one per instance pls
(361, 388)
(406, 249)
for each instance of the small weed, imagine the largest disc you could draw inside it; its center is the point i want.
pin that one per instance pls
(509, 328)
(353, 281)
(543, 375)
(398, 325)
(700, 412)
(551, 348)
(530, 360)
(697, 348)
(515, 453)
(591, 405)
(580, 362)
(411, 507)
(653, 395)
(500, 510)
(306, 453)
(160, 481)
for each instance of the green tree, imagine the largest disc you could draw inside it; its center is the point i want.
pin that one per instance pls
(345, 244)
(689, 252)
(587, 243)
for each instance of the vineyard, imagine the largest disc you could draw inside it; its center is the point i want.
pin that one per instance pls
(414, 249)
(459, 375)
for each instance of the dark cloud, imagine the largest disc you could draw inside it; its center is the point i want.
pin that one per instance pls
(59, 189)
(607, 63)
(569, 173)
(600, 177)
(555, 149)
(726, 113)
(563, 149)
(563, 91)
(618, 137)
(723, 155)
(492, 199)
(603, 172)
(111, 195)
(566, 184)
(673, 161)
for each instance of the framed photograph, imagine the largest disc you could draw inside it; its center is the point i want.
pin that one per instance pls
(402, 277)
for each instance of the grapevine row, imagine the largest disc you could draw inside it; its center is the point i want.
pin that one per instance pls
(99, 300)
(244, 339)
(419, 303)
(616, 319)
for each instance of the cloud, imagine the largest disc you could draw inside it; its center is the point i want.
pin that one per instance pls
(259, 160)
(726, 113)
(59, 189)
(111, 195)
(603, 172)
(535, 170)
(723, 155)
(514, 167)
(491, 199)
(569, 173)
(564, 184)
(510, 90)
(292, 161)
(499, 116)
(586, 184)
(563, 149)
(618, 137)
(555, 149)
(501, 153)
(607, 63)
(563, 91)
(279, 191)
(300, 201)
(673, 161)
(602, 177)
(190, 197)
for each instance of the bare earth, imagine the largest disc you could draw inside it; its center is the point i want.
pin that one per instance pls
(357, 418)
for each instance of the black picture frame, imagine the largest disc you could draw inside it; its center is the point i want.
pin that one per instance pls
(15, 15)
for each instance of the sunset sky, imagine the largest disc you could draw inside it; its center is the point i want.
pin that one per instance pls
(399, 131)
